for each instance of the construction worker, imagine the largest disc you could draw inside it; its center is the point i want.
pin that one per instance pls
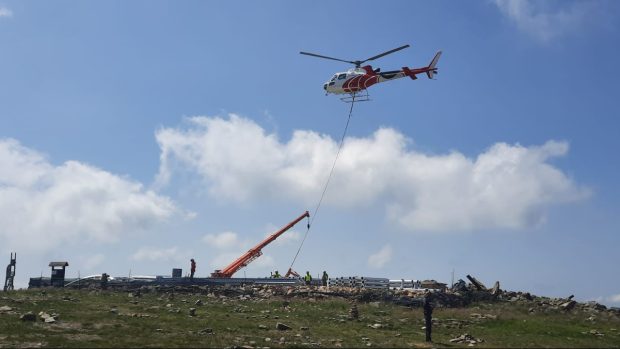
(428, 315)
(324, 278)
(104, 281)
(308, 278)
(192, 270)
(277, 274)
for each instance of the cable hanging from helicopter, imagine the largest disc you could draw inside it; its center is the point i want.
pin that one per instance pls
(355, 83)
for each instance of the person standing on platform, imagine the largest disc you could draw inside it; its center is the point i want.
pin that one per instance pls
(308, 278)
(324, 278)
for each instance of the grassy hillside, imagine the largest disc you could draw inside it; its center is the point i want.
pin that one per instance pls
(162, 317)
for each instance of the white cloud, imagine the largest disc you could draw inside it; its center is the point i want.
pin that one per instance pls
(90, 262)
(264, 262)
(149, 253)
(5, 12)
(507, 186)
(43, 206)
(381, 258)
(221, 260)
(546, 20)
(222, 240)
(288, 238)
(614, 298)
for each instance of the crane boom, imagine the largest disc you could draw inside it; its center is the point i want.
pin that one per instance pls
(255, 251)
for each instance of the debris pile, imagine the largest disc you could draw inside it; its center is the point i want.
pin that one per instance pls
(467, 338)
(47, 318)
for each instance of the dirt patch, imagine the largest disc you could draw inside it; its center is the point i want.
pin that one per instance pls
(82, 337)
(61, 326)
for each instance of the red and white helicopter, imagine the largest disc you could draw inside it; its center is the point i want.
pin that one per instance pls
(358, 79)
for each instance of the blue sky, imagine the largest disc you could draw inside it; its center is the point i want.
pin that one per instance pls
(136, 135)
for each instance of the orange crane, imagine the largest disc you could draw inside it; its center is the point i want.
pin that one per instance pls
(255, 251)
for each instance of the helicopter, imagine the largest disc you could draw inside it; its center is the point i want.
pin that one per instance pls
(358, 79)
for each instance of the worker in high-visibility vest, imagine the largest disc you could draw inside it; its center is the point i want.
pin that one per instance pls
(277, 274)
(308, 278)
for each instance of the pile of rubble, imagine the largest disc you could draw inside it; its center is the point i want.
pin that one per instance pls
(460, 295)
(476, 291)
(467, 338)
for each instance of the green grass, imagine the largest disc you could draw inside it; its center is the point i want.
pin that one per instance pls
(153, 320)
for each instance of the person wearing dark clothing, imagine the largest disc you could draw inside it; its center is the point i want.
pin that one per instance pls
(324, 278)
(428, 315)
(104, 281)
(192, 270)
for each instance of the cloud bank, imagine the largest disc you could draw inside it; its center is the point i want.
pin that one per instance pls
(381, 258)
(5, 12)
(507, 186)
(222, 240)
(150, 253)
(546, 20)
(43, 206)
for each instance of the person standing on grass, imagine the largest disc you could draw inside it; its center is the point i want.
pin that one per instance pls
(192, 270)
(428, 315)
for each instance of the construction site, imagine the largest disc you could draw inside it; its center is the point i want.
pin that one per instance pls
(224, 276)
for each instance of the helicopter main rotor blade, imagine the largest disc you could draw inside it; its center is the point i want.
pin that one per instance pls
(335, 59)
(384, 53)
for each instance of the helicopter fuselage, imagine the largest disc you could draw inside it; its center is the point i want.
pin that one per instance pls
(358, 79)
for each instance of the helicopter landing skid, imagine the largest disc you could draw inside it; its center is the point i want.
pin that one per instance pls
(356, 97)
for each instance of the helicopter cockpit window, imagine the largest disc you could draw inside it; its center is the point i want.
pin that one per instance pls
(342, 76)
(334, 78)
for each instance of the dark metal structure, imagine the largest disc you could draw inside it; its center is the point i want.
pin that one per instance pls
(10, 273)
(58, 273)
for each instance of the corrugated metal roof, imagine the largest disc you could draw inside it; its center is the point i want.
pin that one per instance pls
(59, 264)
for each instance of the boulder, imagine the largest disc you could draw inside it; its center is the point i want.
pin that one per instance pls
(568, 305)
(496, 290)
(282, 327)
(29, 316)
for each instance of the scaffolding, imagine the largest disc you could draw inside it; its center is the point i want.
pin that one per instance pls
(10, 273)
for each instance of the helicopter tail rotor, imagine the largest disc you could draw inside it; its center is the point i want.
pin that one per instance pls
(432, 67)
